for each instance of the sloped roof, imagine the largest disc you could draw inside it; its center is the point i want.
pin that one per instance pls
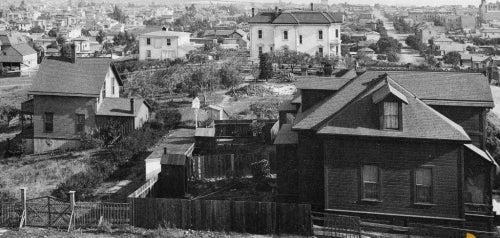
(321, 83)
(387, 90)
(446, 87)
(295, 17)
(419, 120)
(24, 49)
(7, 38)
(120, 107)
(483, 154)
(205, 132)
(166, 34)
(434, 88)
(218, 32)
(286, 136)
(83, 78)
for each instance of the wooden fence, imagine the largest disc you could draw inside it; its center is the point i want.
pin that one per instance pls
(219, 166)
(223, 215)
(331, 225)
(89, 214)
(10, 214)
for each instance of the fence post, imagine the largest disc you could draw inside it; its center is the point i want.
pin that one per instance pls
(23, 200)
(232, 163)
(72, 200)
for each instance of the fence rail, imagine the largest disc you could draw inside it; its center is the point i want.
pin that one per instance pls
(10, 214)
(88, 214)
(330, 225)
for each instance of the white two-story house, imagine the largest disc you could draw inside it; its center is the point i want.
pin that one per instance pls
(164, 44)
(311, 32)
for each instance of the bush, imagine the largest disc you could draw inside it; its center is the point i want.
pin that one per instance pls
(393, 57)
(168, 118)
(82, 183)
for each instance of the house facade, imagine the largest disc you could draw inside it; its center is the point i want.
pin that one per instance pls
(394, 147)
(164, 45)
(311, 32)
(65, 106)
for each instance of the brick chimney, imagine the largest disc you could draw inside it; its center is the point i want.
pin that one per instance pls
(73, 53)
(132, 105)
(312, 6)
(253, 12)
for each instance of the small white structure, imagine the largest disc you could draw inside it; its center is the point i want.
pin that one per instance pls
(164, 44)
(216, 113)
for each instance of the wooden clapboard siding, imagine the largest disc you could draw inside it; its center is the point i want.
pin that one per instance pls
(223, 215)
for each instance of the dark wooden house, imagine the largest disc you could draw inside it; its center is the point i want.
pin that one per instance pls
(400, 147)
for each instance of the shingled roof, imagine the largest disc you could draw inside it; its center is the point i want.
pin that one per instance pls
(295, 17)
(83, 78)
(433, 88)
(419, 120)
(321, 83)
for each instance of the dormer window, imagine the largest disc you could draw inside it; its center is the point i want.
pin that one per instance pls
(390, 115)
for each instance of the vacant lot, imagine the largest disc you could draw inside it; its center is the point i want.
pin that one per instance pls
(13, 91)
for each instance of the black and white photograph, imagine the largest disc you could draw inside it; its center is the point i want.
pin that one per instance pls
(249, 118)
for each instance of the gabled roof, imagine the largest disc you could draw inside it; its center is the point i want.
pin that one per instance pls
(296, 17)
(83, 78)
(419, 121)
(120, 107)
(24, 49)
(433, 88)
(386, 90)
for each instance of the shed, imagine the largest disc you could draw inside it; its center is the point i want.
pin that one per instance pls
(173, 176)
(216, 112)
(204, 140)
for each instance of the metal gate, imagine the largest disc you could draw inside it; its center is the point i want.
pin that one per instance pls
(47, 212)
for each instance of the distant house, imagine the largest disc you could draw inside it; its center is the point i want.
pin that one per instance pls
(216, 113)
(490, 33)
(238, 37)
(164, 45)
(394, 147)
(85, 97)
(312, 32)
(18, 57)
(426, 33)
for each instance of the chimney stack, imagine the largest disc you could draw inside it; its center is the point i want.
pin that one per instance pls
(132, 105)
(73, 53)
(253, 12)
(312, 7)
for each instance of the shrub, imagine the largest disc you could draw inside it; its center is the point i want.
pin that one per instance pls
(169, 118)
(82, 183)
(393, 57)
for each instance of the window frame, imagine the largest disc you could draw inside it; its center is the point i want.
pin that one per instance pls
(300, 39)
(259, 34)
(285, 35)
(260, 50)
(362, 185)
(113, 86)
(382, 116)
(148, 53)
(336, 33)
(46, 122)
(169, 42)
(79, 125)
(432, 186)
(320, 51)
(148, 41)
(320, 34)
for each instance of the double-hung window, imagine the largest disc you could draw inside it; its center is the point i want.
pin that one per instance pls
(80, 123)
(148, 41)
(169, 42)
(390, 115)
(370, 182)
(259, 33)
(285, 35)
(320, 34)
(423, 185)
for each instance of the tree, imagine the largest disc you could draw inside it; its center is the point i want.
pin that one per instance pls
(53, 32)
(292, 57)
(452, 58)
(118, 15)
(265, 66)
(100, 37)
(267, 110)
(66, 50)
(392, 57)
(327, 69)
(36, 29)
(60, 40)
(230, 76)
(85, 32)
(412, 41)
(388, 44)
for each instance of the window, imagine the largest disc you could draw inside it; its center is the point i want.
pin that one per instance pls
(270, 48)
(148, 41)
(390, 115)
(320, 34)
(285, 35)
(300, 39)
(260, 34)
(320, 51)
(337, 49)
(112, 86)
(80, 123)
(260, 50)
(48, 122)
(371, 182)
(423, 185)
(148, 53)
(337, 33)
(169, 42)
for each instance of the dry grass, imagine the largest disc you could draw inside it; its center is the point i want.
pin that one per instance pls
(40, 174)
